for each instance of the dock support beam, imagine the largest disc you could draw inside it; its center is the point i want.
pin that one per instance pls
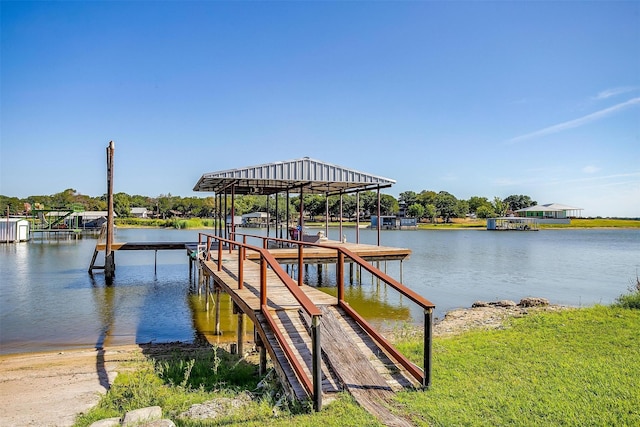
(216, 330)
(240, 339)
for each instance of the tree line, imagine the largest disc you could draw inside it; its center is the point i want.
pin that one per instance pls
(426, 205)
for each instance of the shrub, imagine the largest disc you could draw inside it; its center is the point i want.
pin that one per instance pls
(632, 299)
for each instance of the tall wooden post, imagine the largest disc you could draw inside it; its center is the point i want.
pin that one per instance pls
(109, 261)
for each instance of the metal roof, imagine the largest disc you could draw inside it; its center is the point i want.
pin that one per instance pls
(313, 176)
(549, 207)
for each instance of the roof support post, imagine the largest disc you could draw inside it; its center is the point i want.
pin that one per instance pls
(326, 214)
(342, 239)
(233, 212)
(301, 220)
(218, 214)
(379, 218)
(268, 216)
(357, 217)
(226, 230)
(277, 222)
(288, 214)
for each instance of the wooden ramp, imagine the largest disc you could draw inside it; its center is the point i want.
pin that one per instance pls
(351, 359)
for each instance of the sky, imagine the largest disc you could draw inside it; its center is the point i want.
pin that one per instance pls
(475, 98)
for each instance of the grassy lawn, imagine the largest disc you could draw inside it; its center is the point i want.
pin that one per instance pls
(569, 368)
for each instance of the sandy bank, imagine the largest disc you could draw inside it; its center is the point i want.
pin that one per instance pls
(50, 389)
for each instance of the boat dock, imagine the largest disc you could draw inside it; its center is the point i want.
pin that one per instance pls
(318, 344)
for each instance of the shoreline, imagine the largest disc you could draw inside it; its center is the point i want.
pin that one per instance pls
(73, 381)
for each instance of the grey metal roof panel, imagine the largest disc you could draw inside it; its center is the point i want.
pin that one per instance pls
(309, 174)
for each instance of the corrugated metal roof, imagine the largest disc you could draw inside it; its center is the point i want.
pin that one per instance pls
(312, 175)
(549, 207)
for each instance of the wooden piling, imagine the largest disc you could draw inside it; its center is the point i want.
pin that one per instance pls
(109, 259)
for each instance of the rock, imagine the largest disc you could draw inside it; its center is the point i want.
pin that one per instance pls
(217, 407)
(158, 423)
(533, 302)
(504, 303)
(139, 416)
(107, 422)
(480, 304)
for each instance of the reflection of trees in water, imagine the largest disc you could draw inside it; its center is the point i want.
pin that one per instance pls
(104, 297)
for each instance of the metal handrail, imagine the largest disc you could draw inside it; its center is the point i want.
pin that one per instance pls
(313, 386)
(424, 376)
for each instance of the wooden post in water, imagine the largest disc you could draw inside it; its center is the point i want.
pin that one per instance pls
(216, 329)
(109, 261)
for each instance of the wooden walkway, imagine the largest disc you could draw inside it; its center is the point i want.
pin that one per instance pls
(351, 359)
(320, 255)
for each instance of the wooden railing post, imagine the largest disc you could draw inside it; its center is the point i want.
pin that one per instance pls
(428, 335)
(340, 276)
(263, 281)
(300, 264)
(208, 257)
(316, 364)
(219, 255)
(241, 250)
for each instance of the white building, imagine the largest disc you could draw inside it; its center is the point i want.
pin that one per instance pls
(14, 230)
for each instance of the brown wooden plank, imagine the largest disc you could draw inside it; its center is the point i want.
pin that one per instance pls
(355, 370)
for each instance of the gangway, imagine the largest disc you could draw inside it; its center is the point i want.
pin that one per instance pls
(318, 343)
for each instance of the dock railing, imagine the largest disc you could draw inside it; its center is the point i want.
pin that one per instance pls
(344, 255)
(313, 385)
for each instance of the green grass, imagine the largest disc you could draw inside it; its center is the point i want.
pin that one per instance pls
(596, 223)
(568, 368)
(166, 223)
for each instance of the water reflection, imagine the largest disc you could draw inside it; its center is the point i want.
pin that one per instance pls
(49, 302)
(105, 303)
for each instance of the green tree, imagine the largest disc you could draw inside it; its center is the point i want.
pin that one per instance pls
(519, 201)
(476, 202)
(121, 205)
(426, 197)
(462, 209)
(369, 203)
(499, 207)
(416, 210)
(14, 204)
(430, 212)
(388, 204)
(485, 211)
(446, 205)
(408, 198)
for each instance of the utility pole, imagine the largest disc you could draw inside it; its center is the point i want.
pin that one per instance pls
(109, 259)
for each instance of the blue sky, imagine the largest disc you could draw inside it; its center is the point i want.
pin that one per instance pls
(474, 98)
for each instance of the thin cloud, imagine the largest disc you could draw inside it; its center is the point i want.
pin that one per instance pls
(613, 92)
(576, 122)
(590, 169)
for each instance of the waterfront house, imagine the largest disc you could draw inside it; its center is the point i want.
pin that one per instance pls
(139, 212)
(551, 213)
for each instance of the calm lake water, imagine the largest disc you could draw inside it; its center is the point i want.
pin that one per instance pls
(48, 301)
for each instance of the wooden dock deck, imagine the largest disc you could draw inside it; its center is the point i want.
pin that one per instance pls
(314, 254)
(351, 359)
(351, 355)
